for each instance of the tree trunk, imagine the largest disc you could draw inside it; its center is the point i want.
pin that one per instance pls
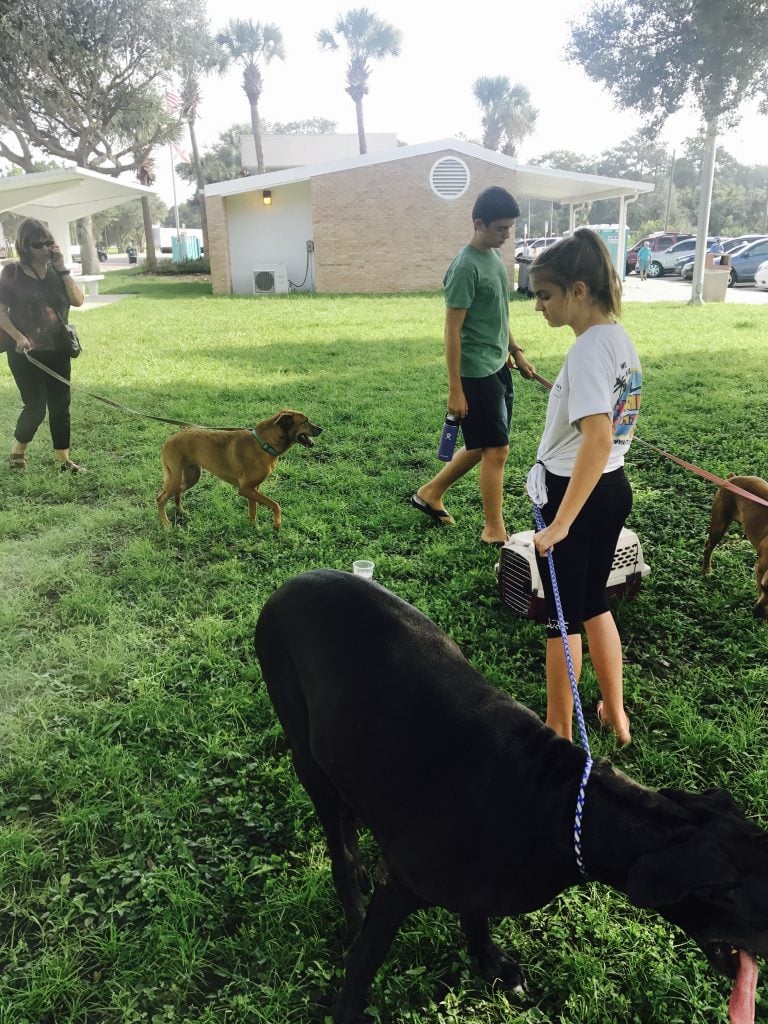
(149, 248)
(492, 136)
(88, 255)
(705, 202)
(256, 128)
(200, 186)
(360, 126)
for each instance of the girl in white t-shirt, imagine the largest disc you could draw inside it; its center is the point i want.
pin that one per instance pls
(578, 480)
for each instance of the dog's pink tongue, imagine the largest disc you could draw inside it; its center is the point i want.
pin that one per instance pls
(741, 1006)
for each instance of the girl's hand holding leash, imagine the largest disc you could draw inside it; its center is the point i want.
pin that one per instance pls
(549, 536)
(23, 345)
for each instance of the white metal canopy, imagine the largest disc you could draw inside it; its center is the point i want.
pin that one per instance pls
(61, 196)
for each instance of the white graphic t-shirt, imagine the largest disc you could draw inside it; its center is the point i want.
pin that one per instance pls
(601, 373)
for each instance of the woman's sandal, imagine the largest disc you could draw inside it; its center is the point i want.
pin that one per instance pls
(17, 460)
(68, 466)
(605, 724)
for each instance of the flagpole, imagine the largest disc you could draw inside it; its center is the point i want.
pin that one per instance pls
(175, 203)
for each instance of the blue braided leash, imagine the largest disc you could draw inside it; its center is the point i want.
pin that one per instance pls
(540, 525)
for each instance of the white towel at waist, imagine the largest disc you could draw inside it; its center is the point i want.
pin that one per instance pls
(536, 484)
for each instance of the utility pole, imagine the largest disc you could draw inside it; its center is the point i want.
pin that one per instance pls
(669, 190)
(705, 202)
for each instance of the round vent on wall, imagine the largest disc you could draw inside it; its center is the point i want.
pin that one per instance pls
(449, 177)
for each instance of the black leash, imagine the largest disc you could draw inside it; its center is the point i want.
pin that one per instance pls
(117, 405)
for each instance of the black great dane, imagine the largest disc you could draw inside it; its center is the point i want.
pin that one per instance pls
(471, 798)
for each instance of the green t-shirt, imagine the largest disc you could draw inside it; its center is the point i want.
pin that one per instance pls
(479, 282)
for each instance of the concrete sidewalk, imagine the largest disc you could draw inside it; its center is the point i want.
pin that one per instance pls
(673, 289)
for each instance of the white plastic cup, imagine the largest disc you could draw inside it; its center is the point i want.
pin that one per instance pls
(363, 568)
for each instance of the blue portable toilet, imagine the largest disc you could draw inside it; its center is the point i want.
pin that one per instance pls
(185, 247)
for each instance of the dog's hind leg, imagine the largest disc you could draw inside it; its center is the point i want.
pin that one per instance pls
(723, 508)
(390, 904)
(496, 966)
(171, 487)
(189, 477)
(760, 610)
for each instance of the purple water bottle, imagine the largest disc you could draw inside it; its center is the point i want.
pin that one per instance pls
(448, 439)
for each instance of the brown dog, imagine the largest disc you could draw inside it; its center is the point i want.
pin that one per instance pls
(244, 458)
(728, 506)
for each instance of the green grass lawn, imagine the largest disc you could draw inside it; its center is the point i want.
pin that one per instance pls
(158, 861)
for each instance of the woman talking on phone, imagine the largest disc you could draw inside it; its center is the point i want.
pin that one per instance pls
(36, 293)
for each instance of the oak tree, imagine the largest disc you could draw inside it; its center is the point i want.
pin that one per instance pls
(656, 57)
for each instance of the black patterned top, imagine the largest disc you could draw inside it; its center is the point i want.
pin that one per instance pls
(34, 306)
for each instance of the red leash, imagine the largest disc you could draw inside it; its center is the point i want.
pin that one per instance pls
(681, 462)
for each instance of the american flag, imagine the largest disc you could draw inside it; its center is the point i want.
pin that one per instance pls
(172, 102)
(181, 156)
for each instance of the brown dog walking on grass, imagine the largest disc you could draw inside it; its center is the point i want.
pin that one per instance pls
(753, 516)
(243, 458)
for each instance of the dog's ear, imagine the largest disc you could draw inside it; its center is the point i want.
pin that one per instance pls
(284, 419)
(667, 876)
(707, 804)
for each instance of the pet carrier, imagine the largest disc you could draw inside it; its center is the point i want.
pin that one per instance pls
(520, 583)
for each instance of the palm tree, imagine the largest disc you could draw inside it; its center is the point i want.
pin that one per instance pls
(246, 43)
(367, 37)
(508, 115)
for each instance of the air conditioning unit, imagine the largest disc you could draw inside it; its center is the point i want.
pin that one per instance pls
(270, 279)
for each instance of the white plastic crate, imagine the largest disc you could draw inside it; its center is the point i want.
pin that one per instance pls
(520, 583)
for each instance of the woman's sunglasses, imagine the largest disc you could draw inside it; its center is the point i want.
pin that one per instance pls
(42, 245)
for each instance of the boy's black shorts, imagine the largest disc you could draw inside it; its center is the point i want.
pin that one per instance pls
(490, 409)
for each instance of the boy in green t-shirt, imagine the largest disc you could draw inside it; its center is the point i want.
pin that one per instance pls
(480, 353)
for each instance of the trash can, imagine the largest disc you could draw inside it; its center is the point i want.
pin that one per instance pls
(716, 277)
(132, 253)
(523, 274)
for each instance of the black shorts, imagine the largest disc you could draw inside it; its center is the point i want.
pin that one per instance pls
(584, 558)
(490, 410)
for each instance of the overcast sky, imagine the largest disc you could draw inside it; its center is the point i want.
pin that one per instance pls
(426, 93)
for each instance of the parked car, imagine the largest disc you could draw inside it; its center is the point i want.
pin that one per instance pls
(738, 240)
(744, 262)
(731, 246)
(761, 276)
(665, 261)
(533, 246)
(657, 241)
(77, 258)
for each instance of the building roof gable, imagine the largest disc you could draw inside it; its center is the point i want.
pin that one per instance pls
(541, 182)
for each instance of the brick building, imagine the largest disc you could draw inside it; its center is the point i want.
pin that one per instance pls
(389, 221)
